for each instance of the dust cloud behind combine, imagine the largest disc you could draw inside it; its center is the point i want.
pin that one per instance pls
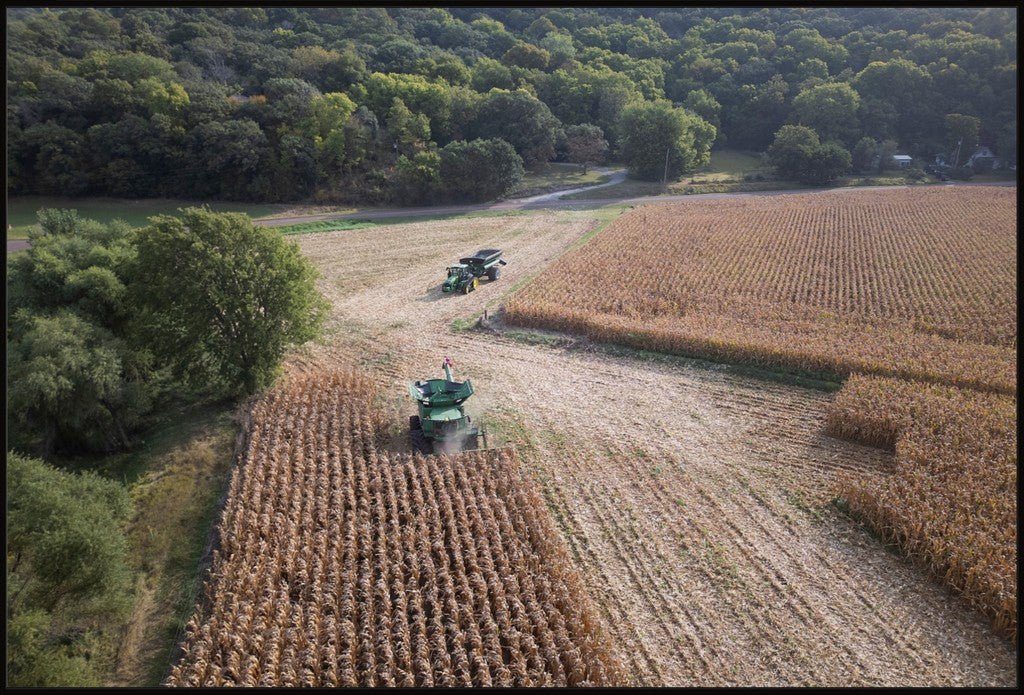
(694, 502)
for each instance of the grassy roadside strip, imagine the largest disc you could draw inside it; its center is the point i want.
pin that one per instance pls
(323, 226)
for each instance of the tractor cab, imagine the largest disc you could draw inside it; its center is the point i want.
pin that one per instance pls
(459, 277)
(458, 269)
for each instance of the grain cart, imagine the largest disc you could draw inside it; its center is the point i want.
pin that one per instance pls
(465, 275)
(442, 425)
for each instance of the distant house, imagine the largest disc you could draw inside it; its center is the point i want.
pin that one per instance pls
(902, 160)
(983, 158)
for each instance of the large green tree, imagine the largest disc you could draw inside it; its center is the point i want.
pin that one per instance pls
(520, 119)
(79, 376)
(830, 110)
(658, 141)
(961, 136)
(797, 153)
(479, 169)
(224, 298)
(585, 145)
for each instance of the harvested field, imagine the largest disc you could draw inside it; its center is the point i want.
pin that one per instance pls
(951, 502)
(695, 503)
(343, 564)
(918, 284)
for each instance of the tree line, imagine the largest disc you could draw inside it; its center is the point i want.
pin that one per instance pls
(105, 323)
(362, 104)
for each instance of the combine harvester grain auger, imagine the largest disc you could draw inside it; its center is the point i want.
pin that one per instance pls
(442, 426)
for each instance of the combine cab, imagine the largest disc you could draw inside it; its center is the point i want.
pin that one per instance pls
(442, 426)
(465, 275)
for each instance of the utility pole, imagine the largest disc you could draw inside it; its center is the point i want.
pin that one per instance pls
(664, 175)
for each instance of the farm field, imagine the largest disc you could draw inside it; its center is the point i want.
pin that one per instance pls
(695, 503)
(341, 564)
(916, 284)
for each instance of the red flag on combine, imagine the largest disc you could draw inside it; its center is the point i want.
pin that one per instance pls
(448, 361)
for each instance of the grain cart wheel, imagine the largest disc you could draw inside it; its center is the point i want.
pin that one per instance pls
(494, 273)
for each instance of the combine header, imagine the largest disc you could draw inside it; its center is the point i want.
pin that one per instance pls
(465, 275)
(442, 426)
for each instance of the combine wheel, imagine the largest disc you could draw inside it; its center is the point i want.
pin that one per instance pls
(419, 442)
(468, 287)
(476, 282)
(414, 423)
(494, 273)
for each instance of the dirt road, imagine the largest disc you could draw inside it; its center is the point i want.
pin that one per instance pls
(695, 502)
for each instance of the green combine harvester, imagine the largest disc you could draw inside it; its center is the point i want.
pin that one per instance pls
(442, 426)
(465, 275)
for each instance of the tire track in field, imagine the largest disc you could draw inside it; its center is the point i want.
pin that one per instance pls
(795, 564)
(609, 534)
(765, 557)
(590, 482)
(637, 559)
(754, 630)
(638, 656)
(659, 560)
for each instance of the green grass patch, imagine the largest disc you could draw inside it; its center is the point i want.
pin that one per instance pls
(177, 507)
(532, 338)
(730, 166)
(553, 177)
(506, 427)
(21, 212)
(878, 180)
(176, 475)
(466, 324)
(796, 498)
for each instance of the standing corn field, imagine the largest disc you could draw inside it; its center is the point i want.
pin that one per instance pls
(951, 501)
(917, 284)
(341, 564)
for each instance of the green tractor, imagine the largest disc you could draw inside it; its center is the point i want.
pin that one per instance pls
(442, 426)
(465, 275)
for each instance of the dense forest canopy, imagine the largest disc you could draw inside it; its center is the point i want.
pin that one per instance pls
(372, 104)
